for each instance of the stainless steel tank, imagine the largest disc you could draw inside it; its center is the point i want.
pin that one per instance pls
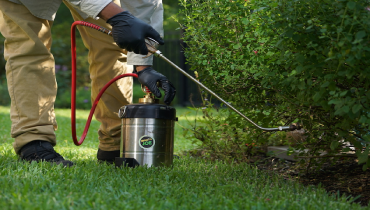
(147, 134)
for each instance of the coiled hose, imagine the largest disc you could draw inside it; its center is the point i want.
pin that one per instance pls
(73, 85)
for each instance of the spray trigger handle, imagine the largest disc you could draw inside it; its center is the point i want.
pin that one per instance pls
(151, 44)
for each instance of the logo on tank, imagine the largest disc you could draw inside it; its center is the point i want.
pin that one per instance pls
(146, 142)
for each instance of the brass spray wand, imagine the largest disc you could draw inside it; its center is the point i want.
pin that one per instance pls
(151, 45)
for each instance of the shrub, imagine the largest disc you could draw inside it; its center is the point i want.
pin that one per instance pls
(286, 61)
(83, 99)
(4, 94)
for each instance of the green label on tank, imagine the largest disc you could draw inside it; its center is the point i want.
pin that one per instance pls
(146, 142)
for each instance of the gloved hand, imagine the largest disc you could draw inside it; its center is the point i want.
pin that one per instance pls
(130, 32)
(149, 77)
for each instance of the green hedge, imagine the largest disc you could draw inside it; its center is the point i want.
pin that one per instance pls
(285, 61)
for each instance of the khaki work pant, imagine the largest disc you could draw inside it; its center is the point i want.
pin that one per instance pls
(30, 72)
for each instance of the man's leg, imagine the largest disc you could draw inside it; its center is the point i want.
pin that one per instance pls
(107, 61)
(31, 77)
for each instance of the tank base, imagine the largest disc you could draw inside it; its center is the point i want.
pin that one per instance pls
(126, 162)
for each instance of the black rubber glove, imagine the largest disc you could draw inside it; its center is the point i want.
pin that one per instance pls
(149, 77)
(130, 32)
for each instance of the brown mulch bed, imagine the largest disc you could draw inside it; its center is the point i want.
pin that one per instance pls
(344, 176)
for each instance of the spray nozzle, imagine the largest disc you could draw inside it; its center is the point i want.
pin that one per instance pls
(295, 126)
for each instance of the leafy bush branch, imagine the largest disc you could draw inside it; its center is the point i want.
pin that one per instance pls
(287, 61)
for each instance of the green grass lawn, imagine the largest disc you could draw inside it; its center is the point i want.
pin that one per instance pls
(190, 184)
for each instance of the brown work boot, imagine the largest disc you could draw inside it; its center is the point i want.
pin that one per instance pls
(42, 151)
(107, 156)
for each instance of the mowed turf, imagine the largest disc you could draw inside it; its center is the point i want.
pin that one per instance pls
(190, 184)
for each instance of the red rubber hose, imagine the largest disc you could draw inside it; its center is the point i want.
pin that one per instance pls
(73, 86)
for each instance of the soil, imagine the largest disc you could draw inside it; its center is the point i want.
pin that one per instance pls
(344, 176)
